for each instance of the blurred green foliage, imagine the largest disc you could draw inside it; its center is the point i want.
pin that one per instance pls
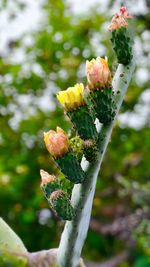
(54, 59)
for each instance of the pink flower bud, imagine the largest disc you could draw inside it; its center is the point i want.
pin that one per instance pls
(125, 13)
(120, 19)
(56, 142)
(98, 73)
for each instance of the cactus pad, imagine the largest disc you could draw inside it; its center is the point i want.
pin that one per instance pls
(103, 102)
(61, 204)
(83, 122)
(122, 45)
(70, 166)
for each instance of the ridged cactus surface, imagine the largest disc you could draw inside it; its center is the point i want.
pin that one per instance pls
(103, 102)
(83, 122)
(71, 168)
(62, 205)
(122, 45)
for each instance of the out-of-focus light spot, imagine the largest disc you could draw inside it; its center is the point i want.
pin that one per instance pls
(67, 46)
(142, 75)
(75, 51)
(44, 215)
(5, 178)
(57, 37)
(86, 53)
(22, 169)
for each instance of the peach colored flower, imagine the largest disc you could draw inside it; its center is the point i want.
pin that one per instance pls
(56, 142)
(46, 177)
(98, 73)
(120, 19)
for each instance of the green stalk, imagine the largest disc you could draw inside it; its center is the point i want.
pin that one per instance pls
(75, 232)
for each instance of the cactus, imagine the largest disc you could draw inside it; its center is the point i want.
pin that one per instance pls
(122, 45)
(75, 231)
(12, 260)
(81, 119)
(77, 110)
(60, 203)
(9, 239)
(121, 40)
(70, 166)
(104, 104)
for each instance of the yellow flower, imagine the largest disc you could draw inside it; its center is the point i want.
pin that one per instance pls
(98, 73)
(120, 19)
(72, 97)
(56, 142)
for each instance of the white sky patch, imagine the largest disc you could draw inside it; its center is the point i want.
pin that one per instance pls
(25, 21)
(78, 8)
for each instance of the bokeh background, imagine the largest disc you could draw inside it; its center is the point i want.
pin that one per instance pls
(43, 48)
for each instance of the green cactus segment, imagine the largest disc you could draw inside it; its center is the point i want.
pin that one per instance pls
(9, 240)
(71, 168)
(122, 45)
(103, 102)
(12, 260)
(90, 150)
(61, 204)
(76, 144)
(83, 122)
(49, 188)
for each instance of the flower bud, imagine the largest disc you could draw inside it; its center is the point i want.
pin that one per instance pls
(119, 20)
(72, 97)
(49, 183)
(56, 142)
(98, 73)
(46, 177)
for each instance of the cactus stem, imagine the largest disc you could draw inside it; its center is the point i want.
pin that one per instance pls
(76, 230)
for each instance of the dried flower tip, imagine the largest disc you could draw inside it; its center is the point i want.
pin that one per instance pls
(98, 73)
(46, 177)
(56, 142)
(124, 13)
(72, 97)
(120, 19)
